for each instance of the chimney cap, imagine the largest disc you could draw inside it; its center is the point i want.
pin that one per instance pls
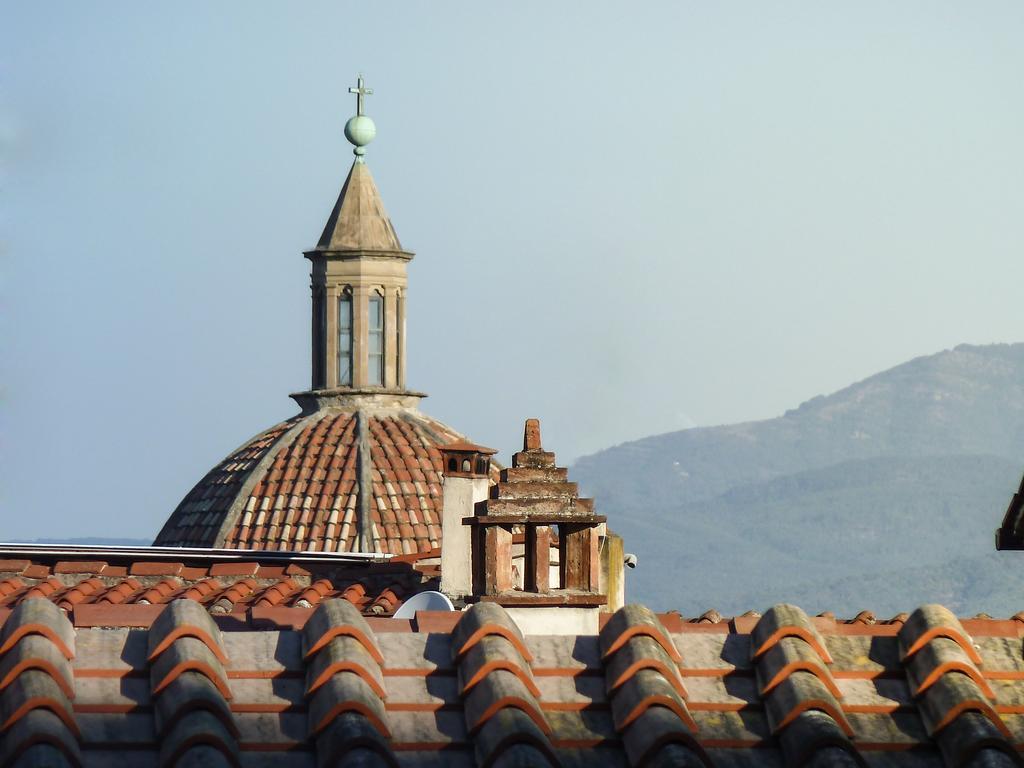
(464, 446)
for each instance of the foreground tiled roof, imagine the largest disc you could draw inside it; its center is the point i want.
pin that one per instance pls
(326, 686)
(332, 480)
(104, 584)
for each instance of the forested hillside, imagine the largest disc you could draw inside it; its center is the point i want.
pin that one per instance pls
(880, 496)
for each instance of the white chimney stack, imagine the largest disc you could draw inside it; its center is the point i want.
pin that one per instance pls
(467, 472)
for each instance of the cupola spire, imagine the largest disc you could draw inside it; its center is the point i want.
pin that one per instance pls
(358, 280)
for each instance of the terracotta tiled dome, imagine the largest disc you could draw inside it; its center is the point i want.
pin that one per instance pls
(353, 480)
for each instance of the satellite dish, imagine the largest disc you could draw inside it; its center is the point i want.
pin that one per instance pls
(424, 601)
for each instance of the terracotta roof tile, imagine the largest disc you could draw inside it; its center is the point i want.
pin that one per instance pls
(633, 621)
(781, 621)
(36, 571)
(343, 692)
(638, 653)
(156, 568)
(35, 689)
(938, 657)
(344, 654)
(184, 618)
(38, 617)
(36, 652)
(188, 693)
(80, 566)
(798, 693)
(188, 654)
(491, 653)
(789, 655)
(929, 622)
(483, 620)
(338, 618)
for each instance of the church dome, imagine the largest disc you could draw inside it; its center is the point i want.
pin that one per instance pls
(358, 470)
(345, 479)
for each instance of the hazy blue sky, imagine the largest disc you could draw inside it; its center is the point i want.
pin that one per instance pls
(640, 216)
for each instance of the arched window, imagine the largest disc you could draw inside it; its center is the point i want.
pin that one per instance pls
(319, 333)
(345, 338)
(375, 333)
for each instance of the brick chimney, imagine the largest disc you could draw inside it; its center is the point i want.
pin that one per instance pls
(534, 497)
(466, 479)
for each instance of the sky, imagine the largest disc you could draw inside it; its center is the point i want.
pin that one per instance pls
(638, 218)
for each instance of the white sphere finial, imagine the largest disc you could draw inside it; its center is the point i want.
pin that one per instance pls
(360, 130)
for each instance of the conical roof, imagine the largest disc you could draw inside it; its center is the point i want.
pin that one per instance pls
(359, 221)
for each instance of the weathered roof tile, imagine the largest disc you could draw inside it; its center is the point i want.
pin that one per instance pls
(789, 655)
(507, 729)
(497, 691)
(489, 654)
(33, 690)
(38, 617)
(800, 692)
(36, 652)
(645, 689)
(188, 693)
(351, 739)
(785, 620)
(938, 657)
(974, 740)
(338, 618)
(46, 735)
(642, 652)
(200, 730)
(632, 621)
(654, 731)
(814, 734)
(184, 618)
(344, 654)
(346, 692)
(184, 655)
(929, 622)
(484, 619)
(953, 694)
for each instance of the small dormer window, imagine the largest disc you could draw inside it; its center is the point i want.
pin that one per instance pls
(375, 332)
(345, 339)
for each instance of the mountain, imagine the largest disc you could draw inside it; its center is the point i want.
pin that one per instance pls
(880, 496)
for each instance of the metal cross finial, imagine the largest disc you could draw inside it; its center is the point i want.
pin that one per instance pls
(360, 91)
